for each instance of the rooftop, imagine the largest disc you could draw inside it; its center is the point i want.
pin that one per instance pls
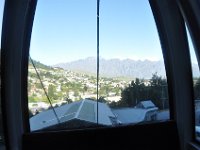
(145, 104)
(85, 110)
(132, 115)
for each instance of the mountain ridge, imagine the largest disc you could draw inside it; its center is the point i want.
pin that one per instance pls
(120, 68)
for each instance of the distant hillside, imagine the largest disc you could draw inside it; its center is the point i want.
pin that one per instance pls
(40, 65)
(120, 68)
(67, 85)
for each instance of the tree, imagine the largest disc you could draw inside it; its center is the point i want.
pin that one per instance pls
(32, 98)
(68, 100)
(134, 93)
(158, 90)
(137, 91)
(85, 89)
(102, 99)
(104, 90)
(76, 93)
(52, 92)
(38, 85)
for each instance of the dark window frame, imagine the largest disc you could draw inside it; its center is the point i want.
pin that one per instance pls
(173, 37)
(15, 52)
(190, 11)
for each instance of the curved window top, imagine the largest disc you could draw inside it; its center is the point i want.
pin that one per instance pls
(65, 87)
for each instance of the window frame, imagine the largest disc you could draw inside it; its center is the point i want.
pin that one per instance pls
(190, 11)
(15, 52)
(173, 37)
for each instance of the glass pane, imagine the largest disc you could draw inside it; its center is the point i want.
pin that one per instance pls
(196, 86)
(63, 50)
(1, 121)
(133, 85)
(63, 69)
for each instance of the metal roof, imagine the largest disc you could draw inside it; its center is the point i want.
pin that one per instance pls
(85, 110)
(132, 115)
(147, 104)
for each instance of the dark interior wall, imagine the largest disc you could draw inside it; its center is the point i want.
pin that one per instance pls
(1, 127)
(162, 136)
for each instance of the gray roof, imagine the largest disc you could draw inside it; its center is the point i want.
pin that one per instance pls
(147, 104)
(132, 115)
(85, 110)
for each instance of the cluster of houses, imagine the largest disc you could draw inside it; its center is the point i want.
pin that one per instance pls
(86, 113)
(59, 78)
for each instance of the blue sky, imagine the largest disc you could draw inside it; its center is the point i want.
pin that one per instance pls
(65, 30)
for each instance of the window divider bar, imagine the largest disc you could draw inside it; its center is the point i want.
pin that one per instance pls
(98, 3)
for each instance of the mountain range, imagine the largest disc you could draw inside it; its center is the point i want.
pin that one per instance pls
(120, 68)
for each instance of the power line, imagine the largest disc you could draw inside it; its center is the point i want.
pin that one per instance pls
(44, 90)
